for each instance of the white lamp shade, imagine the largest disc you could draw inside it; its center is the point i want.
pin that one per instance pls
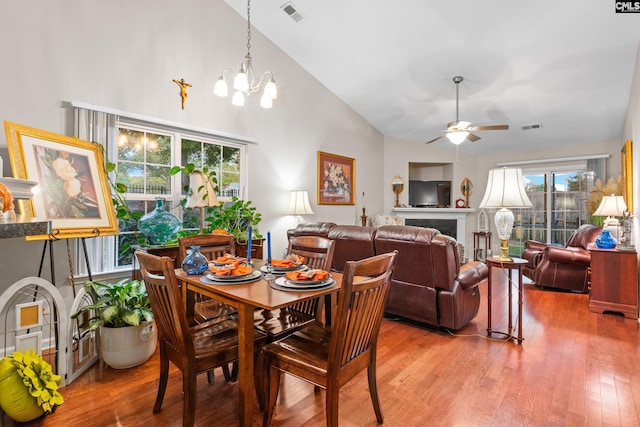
(611, 206)
(457, 137)
(202, 192)
(266, 102)
(299, 203)
(238, 99)
(221, 88)
(241, 82)
(505, 189)
(270, 90)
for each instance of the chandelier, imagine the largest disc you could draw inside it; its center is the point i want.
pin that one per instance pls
(244, 82)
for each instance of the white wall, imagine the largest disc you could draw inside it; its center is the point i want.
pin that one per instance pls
(124, 55)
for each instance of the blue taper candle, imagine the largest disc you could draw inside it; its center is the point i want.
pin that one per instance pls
(268, 247)
(249, 245)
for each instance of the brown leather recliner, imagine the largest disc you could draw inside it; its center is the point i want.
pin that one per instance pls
(562, 267)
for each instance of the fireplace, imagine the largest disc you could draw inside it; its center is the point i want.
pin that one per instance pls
(445, 226)
(450, 221)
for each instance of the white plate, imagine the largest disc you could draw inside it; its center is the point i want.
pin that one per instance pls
(249, 276)
(308, 282)
(286, 283)
(283, 271)
(281, 286)
(256, 275)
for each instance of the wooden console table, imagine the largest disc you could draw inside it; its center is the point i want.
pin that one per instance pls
(614, 281)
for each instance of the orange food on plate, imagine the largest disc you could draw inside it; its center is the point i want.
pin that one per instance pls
(6, 196)
(235, 269)
(311, 275)
(228, 259)
(290, 261)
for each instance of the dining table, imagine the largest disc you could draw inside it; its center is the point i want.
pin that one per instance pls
(247, 297)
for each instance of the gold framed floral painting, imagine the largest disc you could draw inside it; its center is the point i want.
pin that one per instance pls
(336, 179)
(73, 189)
(626, 156)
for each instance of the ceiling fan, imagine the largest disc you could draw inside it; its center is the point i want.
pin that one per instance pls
(458, 130)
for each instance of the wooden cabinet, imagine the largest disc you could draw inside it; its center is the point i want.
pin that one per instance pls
(614, 281)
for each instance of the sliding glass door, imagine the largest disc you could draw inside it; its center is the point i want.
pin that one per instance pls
(559, 207)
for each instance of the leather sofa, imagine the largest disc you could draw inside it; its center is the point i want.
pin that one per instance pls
(567, 267)
(428, 286)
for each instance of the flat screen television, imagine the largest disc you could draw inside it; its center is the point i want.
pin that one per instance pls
(429, 194)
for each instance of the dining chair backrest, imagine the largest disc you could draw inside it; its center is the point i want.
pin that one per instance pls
(364, 290)
(166, 304)
(317, 250)
(211, 246)
(318, 254)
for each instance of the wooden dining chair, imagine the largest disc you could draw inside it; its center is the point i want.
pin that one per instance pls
(192, 349)
(211, 246)
(329, 357)
(318, 254)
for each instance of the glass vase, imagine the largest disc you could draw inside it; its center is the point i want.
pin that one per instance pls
(195, 262)
(605, 241)
(158, 226)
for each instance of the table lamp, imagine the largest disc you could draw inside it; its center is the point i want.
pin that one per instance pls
(612, 207)
(202, 195)
(299, 204)
(505, 189)
(397, 185)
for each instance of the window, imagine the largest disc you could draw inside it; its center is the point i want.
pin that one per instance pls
(559, 207)
(144, 157)
(144, 151)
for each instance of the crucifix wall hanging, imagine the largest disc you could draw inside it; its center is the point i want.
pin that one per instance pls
(183, 89)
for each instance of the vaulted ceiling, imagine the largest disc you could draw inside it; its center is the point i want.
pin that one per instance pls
(566, 65)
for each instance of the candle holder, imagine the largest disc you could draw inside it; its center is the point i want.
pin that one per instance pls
(363, 218)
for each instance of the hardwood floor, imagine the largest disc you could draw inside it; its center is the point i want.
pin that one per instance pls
(574, 368)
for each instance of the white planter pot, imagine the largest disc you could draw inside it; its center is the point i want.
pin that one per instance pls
(123, 348)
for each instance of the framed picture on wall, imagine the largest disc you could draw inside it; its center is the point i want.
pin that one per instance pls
(336, 179)
(73, 191)
(626, 157)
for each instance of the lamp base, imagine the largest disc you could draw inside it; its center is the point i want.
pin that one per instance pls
(504, 252)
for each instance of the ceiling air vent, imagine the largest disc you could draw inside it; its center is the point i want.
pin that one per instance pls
(292, 11)
(533, 126)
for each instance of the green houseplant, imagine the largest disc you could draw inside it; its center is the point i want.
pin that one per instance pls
(123, 314)
(28, 386)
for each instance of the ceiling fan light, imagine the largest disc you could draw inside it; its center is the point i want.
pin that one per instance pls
(463, 124)
(457, 137)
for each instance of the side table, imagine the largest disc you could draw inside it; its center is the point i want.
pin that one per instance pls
(515, 264)
(614, 281)
(478, 255)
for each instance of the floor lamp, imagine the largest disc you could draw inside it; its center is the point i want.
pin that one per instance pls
(505, 189)
(202, 195)
(299, 205)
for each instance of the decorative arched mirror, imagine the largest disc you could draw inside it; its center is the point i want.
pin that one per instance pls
(466, 188)
(397, 185)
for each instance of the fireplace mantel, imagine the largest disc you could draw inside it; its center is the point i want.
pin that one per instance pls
(459, 214)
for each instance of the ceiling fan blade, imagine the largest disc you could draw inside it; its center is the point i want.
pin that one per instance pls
(458, 125)
(434, 140)
(472, 137)
(490, 127)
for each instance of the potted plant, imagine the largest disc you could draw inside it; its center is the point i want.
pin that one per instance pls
(123, 314)
(28, 386)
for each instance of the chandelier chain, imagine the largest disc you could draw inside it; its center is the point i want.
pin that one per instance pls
(249, 28)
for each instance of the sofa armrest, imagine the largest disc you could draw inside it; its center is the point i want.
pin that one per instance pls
(471, 274)
(567, 255)
(533, 246)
